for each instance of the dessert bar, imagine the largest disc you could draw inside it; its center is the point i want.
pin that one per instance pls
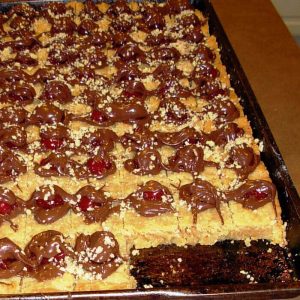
(119, 130)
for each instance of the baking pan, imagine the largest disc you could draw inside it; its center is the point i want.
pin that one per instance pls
(288, 196)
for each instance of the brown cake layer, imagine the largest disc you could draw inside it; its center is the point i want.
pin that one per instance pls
(225, 262)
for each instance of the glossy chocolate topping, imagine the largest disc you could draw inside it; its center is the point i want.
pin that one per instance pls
(13, 137)
(151, 199)
(186, 136)
(119, 112)
(187, 159)
(13, 115)
(145, 162)
(57, 91)
(254, 194)
(100, 166)
(140, 139)
(225, 134)
(172, 111)
(10, 206)
(12, 259)
(49, 204)
(225, 111)
(55, 137)
(48, 250)
(11, 165)
(243, 160)
(101, 139)
(59, 165)
(98, 253)
(94, 204)
(200, 195)
(47, 114)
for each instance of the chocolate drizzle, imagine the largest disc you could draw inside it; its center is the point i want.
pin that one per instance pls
(151, 199)
(94, 204)
(10, 165)
(10, 206)
(12, 259)
(243, 160)
(181, 138)
(200, 195)
(145, 162)
(47, 250)
(49, 204)
(98, 253)
(187, 159)
(254, 194)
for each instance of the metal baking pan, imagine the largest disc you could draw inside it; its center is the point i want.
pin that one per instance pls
(288, 196)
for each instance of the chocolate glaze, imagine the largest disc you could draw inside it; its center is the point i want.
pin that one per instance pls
(10, 206)
(12, 259)
(194, 35)
(47, 250)
(63, 25)
(21, 93)
(200, 195)
(187, 159)
(253, 194)
(94, 204)
(140, 139)
(225, 111)
(57, 91)
(118, 112)
(243, 160)
(145, 162)
(151, 199)
(13, 115)
(91, 9)
(127, 73)
(176, 6)
(165, 54)
(49, 204)
(118, 7)
(181, 138)
(204, 54)
(10, 165)
(135, 90)
(172, 111)
(130, 52)
(101, 139)
(229, 132)
(98, 253)
(13, 137)
(55, 138)
(166, 70)
(100, 166)
(171, 88)
(59, 165)
(47, 114)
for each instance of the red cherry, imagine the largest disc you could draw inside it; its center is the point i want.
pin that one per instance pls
(153, 195)
(98, 166)
(259, 195)
(98, 116)
(85, 203)
(57, 201)
(52, 144)
(5, 208)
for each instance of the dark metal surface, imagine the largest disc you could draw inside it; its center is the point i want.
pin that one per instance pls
(289, 199)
